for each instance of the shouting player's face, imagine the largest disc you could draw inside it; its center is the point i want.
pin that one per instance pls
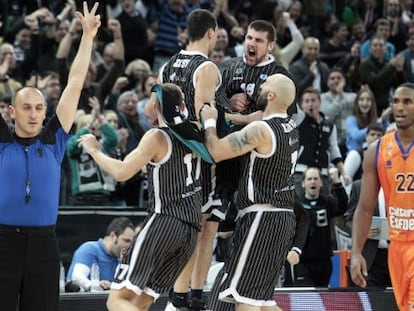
(256, 47)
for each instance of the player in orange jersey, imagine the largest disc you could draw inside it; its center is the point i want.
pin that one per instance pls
(389, 164)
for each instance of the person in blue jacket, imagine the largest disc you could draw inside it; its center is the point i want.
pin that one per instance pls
(30, 166)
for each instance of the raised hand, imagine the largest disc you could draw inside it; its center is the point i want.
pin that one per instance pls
(89, 20)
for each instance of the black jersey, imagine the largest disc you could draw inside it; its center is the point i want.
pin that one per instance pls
(174, 184)
(181, 70)
(238, 77)
(267, 179)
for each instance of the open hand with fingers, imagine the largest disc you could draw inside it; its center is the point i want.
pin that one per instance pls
(89, 20)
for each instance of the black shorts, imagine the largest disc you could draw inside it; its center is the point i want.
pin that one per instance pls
(262, 239)
(157, 256)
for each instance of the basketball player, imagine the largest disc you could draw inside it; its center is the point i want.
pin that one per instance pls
(389, 164)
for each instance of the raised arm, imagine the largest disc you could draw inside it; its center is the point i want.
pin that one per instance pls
(68, 102)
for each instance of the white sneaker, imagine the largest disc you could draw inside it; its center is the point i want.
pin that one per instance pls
(171, 307)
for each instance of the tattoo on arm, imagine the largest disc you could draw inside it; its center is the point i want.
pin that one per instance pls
(247, 137)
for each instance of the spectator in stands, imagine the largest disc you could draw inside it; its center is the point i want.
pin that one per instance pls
(132, 24)
(50, 35)
(408, 55)
(358, 33)
(309, 71)
(222, 43)
(227, 21)
(364, 112)
(30, 163)
(398, 29)
(336, 104)
(375, 251)
(382, 28)
(299, 17)
(5, 102)
(334, 48)
(90, 185)
(350, 67)
(318, 142)
(407, 11)
(381, 75)
(316, 11)
(169, 24)
(112, 118)
(147, 84)
(106, 252)
(285, 54)
(107, 60)
(136, 72)
(51, 89)
(8, 85)
(370, 11)
(126, 108)
(315, 266)
(354, 158)
(217, 56)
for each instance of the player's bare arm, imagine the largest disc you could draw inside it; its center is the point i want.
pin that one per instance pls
(253, 136)
(207, 81)
(363, 216)
(152, 147)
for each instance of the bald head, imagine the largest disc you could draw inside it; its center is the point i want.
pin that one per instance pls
(284, 87)
(28, 93)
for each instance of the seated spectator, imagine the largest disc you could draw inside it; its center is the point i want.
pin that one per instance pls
(106, 252)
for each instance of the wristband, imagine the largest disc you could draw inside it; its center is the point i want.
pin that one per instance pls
(210, 123)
